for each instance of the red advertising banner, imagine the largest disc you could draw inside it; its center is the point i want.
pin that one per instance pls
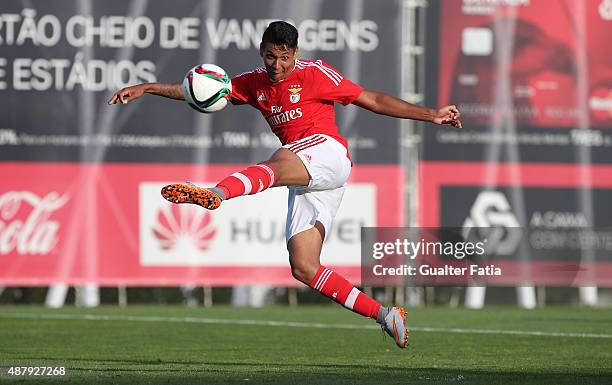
(544, 61)
(108, 224)
(533, 82)
(540, 84)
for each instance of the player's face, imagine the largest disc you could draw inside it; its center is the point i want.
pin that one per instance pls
(278, 60)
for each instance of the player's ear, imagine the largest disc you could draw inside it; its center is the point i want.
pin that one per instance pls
(261, 49)
(296, 54)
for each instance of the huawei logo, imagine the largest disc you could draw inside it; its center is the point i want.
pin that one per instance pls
(183, 225)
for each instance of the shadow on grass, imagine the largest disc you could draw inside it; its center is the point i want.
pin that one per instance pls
(210, 372)
(306, 375)
(162, 363)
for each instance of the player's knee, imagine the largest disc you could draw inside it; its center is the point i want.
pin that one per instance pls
(304, 272)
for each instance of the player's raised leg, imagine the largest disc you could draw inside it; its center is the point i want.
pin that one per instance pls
(284, 168)
(304, 256)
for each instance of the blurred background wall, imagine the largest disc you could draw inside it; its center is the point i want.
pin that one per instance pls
(79, 197)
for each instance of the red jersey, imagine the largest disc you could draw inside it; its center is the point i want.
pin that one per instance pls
(300, 105)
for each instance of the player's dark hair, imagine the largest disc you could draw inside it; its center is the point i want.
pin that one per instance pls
(280, 33)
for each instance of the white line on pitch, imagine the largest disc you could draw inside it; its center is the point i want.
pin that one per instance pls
(216, 321)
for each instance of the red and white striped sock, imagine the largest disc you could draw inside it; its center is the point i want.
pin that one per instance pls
(336, 287)
(249, 181)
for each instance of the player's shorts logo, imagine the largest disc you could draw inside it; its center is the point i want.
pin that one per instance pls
(295, 93)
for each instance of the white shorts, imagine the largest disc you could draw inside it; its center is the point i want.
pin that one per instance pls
(329, 167)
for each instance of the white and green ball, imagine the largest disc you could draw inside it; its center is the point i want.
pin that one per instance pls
(207, 88)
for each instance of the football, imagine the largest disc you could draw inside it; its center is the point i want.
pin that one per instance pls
(207, 88)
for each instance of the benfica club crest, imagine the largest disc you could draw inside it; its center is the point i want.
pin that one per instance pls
(295, 93)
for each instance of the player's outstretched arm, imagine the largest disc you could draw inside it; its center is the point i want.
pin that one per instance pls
(129, 94)
(384, 104)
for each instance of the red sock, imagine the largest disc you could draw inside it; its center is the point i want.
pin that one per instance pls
(249, 181)
(336, 287)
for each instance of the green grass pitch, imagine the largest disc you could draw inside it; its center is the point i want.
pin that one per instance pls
(283, 345)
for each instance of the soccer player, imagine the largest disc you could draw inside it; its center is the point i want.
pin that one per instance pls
(296, 97)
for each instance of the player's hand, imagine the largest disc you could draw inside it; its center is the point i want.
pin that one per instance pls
(448, 115)
(127, 94)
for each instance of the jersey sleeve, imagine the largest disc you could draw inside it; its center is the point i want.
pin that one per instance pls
(242, 86)
(333, 86)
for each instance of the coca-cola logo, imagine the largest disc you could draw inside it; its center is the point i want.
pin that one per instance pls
(26, 226)
(184, 226)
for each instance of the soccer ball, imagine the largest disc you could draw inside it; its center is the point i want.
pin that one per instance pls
(207, 88)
